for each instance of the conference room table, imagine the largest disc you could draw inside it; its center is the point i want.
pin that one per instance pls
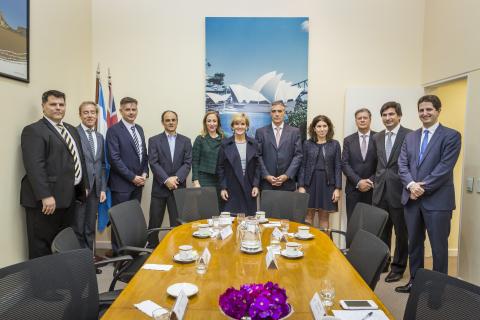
(229, 267)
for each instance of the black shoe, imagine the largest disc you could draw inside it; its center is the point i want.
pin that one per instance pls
(393, 277)
(405, 289)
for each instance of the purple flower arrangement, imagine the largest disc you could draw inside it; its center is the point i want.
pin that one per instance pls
(257, 301)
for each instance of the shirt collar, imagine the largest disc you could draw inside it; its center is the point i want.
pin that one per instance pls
(53, 123)
(366, 134)
(170, 135)
(128, 125)
(85, 128)
(394, 130)
(280, 126)
(432, 129)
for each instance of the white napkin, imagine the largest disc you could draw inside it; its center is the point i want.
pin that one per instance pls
(159, 267)
(148, 307)
(359, 314)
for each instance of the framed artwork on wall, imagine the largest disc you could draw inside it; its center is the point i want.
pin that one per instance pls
(14, 39)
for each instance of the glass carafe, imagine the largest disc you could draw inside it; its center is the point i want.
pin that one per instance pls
(251, 237)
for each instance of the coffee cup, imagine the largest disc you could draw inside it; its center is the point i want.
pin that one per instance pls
(185, 251)
(203, 229)
(293, 248)
(224, 214)
(260, 215)
(303, 231)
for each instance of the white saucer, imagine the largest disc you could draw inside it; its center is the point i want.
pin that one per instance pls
(262, 221)
(298, 236)
(192, 258)
(290, 256)
(197, 234)
(189, 288)
(251, 251)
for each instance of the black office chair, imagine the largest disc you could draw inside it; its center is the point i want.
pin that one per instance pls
(66, 240)
(196, 203)
(368, 254)
(284, 205)
(130, 230)
(435, 295)
(53, 287)
(364, 217)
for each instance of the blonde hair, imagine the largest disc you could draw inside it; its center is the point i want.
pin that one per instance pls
(238, 117)
(204, 131)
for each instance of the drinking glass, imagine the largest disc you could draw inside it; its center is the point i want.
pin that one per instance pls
(284, 225)
(274, 244)
(216, 223)
(240, 218)
(327, 292)
(201, 266)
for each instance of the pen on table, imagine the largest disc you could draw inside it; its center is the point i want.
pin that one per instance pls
(368, 315)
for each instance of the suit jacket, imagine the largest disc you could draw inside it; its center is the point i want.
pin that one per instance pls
(435, 169)
(354, 166)
(232, 179)
(123, 157)
(286, 159)
(95, 163)
(162, 164)
(49, 166)
(386, 175)
(333, 165)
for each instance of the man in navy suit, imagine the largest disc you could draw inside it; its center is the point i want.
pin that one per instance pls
(127, 154)
(170, 156)
(280, 152)
(92, 144)
(388, 186)
(359, 162)
(426, 165)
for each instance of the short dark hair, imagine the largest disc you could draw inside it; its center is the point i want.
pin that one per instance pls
(166, 111)
(433, 99)
(54, 93)
(363, 110)
(278, 103)
(127, 100)
(87, 103)
(317, 119)
(391, 104)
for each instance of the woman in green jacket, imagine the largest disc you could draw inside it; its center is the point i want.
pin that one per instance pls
(205, 152)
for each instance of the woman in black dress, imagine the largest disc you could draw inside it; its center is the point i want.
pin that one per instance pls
(320, 173)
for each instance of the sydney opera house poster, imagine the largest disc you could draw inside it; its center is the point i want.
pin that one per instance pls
(252, 62)
(14, 39)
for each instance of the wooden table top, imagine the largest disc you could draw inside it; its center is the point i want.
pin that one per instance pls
(231, 268)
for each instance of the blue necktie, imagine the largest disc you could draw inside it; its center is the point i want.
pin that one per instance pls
(423, 147)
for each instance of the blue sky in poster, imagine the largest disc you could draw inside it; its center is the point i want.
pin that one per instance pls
(246, 48)
(14, 11)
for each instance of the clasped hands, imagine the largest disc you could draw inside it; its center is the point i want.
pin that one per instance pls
(277, 181)
(416, 190)
(172, 183)
(224, 193)
(139, 181)
(365, 185)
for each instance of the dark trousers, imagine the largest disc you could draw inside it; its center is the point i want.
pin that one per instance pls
(437, 224)
(353, 197)
(42, 229)
(85, 220)
(397, 220)
(119, 197)
(157, 212)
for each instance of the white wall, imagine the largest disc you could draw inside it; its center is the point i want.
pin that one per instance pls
(156, 51)
(60, 58)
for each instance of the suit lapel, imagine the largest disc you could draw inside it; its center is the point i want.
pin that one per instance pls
(356, 147)
(234, 158)
(284, 135)
(381, 142)
(59, 136)
(431, 143)
(397, 143)
(178, 147)
(84, 141)
(98, 152)
(370, 147)
(130, 138)
(271, 136)
(165, 146)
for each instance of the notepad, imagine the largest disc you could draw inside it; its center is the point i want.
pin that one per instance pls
(359, 314)
(148, 306)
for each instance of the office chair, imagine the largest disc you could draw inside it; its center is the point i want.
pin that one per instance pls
(196, 203)
(284, 205)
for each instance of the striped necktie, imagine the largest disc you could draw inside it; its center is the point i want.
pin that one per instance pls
(71, 149)
(388, 145)
(90, 140)
(135, 140)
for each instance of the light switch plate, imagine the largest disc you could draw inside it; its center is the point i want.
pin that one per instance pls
(469, 184)
(478, 185)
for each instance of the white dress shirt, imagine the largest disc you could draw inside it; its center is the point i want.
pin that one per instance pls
(367, 138)
(394, 132)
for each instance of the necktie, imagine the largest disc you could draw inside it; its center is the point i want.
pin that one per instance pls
(71, 149)
(363, 147)
(423, 147)
(388, 145)
(90, 140)
(135, 140)
(277, 135)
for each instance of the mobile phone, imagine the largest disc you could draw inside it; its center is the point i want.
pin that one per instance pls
(358, 304)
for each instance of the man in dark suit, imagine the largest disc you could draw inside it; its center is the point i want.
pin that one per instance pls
(170, 161)
(127, 154)
(426, 164)
(388, 186)
(93, 149)
(359, 162)
(55, 174)
(280, 151)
